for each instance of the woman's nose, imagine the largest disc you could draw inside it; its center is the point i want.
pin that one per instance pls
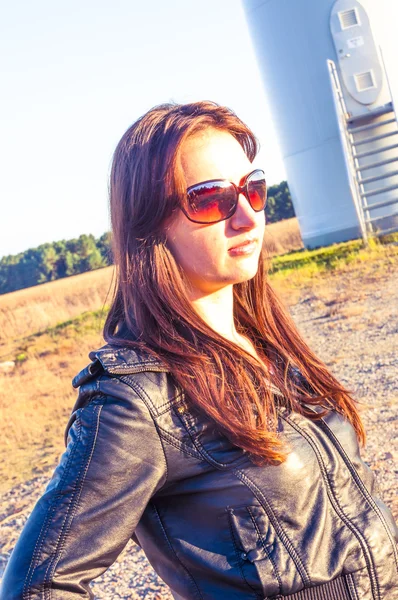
(244, 216)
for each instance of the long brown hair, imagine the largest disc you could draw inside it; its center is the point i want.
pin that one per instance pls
(151, 310)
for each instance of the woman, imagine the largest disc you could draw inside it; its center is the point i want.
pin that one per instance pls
(206, 428)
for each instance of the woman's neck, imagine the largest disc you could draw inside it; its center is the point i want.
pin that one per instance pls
(216, 309)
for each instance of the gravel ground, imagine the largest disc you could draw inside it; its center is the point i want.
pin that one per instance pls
(352, 325)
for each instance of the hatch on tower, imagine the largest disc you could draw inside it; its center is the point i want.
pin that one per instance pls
(358, 58)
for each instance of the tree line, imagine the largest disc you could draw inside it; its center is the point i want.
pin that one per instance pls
(279, 203)
(60, 259)
(53, 261)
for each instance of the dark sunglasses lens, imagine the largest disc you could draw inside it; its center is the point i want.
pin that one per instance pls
(211, 202)
(257, 190)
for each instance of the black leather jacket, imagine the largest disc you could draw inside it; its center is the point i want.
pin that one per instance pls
(140, 462)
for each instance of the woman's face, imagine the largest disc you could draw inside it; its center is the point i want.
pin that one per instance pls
(216, 255)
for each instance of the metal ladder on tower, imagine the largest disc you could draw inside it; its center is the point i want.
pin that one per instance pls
(354, 133)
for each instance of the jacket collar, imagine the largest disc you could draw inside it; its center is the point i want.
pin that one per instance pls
(119, 360)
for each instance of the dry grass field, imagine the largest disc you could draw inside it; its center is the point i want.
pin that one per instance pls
(49, 330)
(36, 308)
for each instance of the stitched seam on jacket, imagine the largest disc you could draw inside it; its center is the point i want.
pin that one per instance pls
(337, 508)
(174, 552)
(126, 367)
(166, 405)
(237, 552)
(351, 586)
(132, 383)
(261, 538)
(189, 424)
(173, 441)
(139, 390)
(277, 526)
(73, 505)
(161, 432)
(26, 595)
(359, 483)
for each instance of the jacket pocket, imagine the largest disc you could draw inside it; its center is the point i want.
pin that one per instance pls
(255, 548)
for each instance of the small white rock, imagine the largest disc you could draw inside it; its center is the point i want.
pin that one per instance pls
(7, 366)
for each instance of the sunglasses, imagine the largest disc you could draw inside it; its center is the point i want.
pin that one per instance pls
(217, 199)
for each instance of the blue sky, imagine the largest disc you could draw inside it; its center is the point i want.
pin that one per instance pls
(76, 74)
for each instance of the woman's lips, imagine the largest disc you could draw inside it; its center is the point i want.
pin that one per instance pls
(244, 248)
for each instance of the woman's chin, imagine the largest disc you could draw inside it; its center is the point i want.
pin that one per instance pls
(245, 274)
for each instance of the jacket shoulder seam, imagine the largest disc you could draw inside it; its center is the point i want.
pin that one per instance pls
(139, 390)
(133, 384)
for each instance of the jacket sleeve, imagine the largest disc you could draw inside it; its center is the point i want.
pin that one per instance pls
(113, 464)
